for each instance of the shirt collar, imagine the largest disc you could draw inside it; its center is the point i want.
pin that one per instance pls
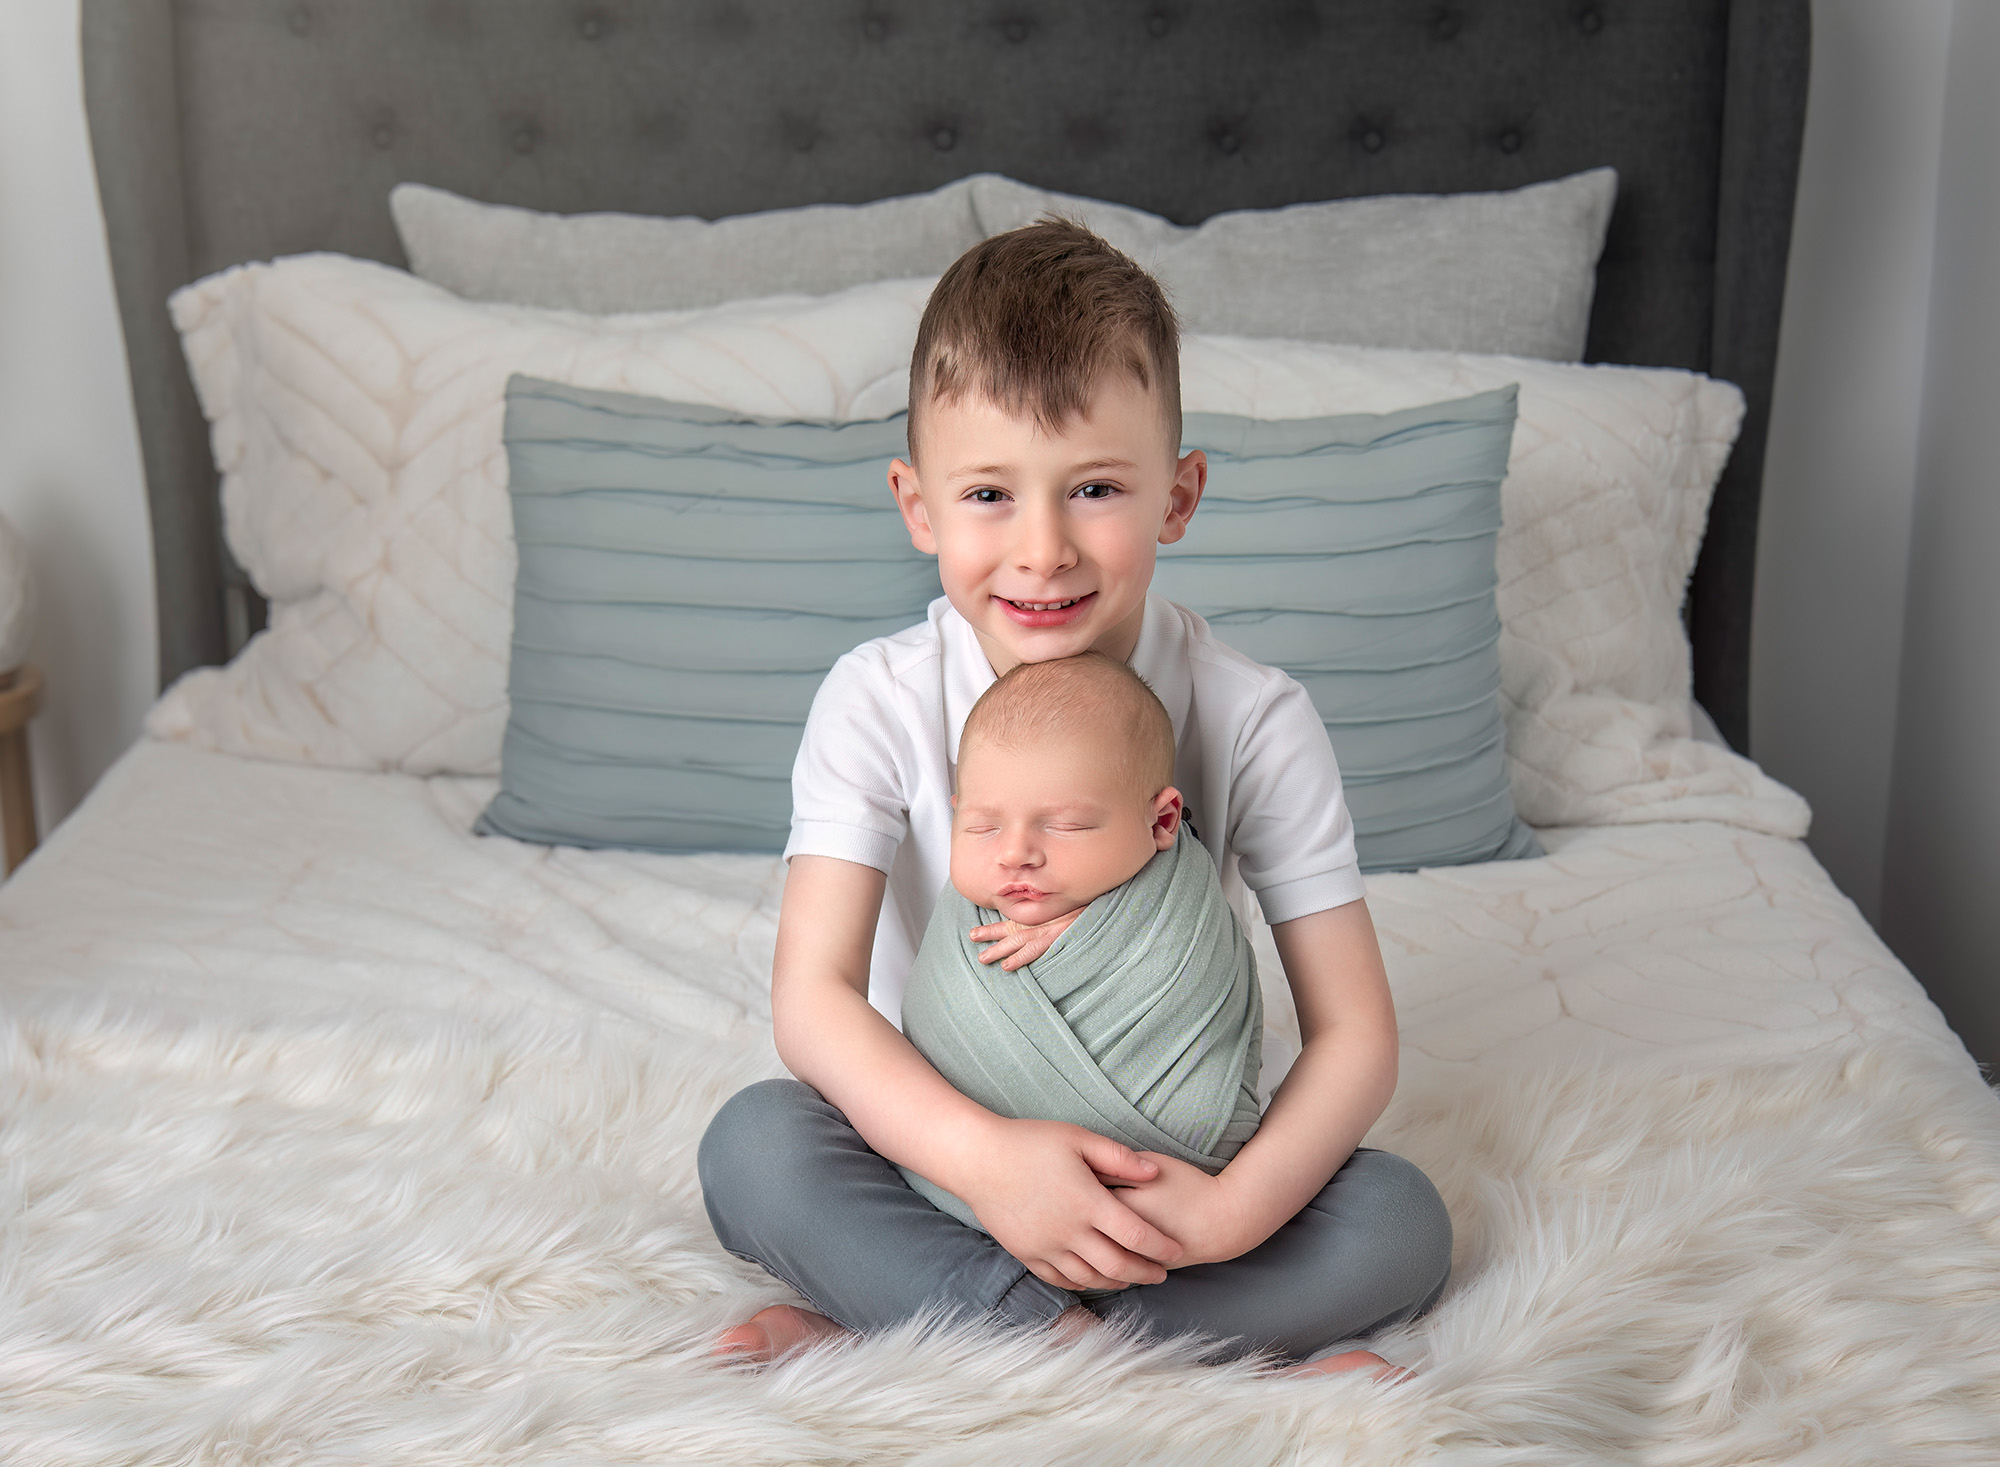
(966, 672)
(1160, 658)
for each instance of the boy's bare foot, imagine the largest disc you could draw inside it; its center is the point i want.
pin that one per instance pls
(775, 1332)
(1368, 1360)
(1072, 1324)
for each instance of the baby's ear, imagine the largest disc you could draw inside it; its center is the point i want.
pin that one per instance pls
(1167, 811)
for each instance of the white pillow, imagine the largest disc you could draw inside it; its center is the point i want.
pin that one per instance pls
(1606, 497)
(633, 262)
(1510, 272)
(1493, 272)
(357, 415)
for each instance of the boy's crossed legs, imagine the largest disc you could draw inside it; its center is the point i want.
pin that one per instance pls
(792, 1187)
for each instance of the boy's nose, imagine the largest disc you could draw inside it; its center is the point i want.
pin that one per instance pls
(1044, 547)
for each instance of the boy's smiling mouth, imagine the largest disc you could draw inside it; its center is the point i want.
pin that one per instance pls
(1046, 613)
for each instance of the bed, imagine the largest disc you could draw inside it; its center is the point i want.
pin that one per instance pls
(338, 1132)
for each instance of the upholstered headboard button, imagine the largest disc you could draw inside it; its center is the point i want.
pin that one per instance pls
(1088, 136)
(1509, 140)
(1444, 26)
(1590, 20)
(298, 20)
(875, 27)
(592, 26)
(1369, 137)
(944, 139)
(1016, 28)
(1299, 25)
(800, 134)
(1159, 22)
(524, 135)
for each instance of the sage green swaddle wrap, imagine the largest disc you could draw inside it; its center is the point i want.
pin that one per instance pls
(1143, 1023)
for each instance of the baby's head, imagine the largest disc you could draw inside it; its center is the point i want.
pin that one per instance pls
(1065, 787)
(1045, 418)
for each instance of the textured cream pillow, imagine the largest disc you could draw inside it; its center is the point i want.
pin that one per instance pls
(1606, 497)
(356, 419)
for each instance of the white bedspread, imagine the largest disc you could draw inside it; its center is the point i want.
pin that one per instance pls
(199, 879)
(331, 1132)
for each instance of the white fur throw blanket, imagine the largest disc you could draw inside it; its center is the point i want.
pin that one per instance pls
(422, 1241)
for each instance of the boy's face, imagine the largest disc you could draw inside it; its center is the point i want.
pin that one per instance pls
(1043, 831)
(1045, 541)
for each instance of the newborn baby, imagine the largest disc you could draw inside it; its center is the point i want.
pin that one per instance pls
(1143, 1022)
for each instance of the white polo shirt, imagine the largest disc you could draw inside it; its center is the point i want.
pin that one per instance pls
(874, 774)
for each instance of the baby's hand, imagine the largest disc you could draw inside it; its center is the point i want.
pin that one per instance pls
(1016, 946)
(1192, 1207)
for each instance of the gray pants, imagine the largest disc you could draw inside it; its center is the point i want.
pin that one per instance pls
(791, 1187)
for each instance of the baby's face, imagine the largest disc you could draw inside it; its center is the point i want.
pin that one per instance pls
(1040, 832)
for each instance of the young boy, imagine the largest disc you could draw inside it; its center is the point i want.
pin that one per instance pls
(1044, 471)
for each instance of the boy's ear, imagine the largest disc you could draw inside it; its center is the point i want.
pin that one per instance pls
(910, 500)
(1167, 810)
(1190, 478)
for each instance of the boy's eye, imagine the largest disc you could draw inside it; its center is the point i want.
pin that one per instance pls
(986, 496)
(1096, 491)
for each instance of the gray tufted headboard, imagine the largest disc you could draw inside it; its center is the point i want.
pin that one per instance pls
(232, 130)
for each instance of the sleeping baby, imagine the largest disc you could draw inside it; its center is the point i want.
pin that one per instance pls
(1143, 1022)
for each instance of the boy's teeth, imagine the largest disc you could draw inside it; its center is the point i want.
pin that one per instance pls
(1047, 605)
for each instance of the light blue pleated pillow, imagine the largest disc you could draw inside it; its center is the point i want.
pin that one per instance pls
(1357, 553)
(688, 576)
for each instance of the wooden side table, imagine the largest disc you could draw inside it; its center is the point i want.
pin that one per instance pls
(20, 700)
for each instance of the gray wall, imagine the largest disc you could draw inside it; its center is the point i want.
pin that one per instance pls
(1941, 888)
(69, 448)
(1841, 469)
(1875, 681)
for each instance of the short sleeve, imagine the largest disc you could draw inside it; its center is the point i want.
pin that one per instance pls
(849, 791)
(1290, 827)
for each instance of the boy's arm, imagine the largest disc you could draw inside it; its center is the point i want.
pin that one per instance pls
(1342, 1081)
(1034, 1184)
(1345, 1073)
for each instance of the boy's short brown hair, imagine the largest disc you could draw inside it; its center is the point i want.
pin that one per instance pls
(1035, 318)
(1088, 696)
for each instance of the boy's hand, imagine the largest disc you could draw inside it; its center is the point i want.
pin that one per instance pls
(1039, 1188)
(1016, 946)
(1197, 1209)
